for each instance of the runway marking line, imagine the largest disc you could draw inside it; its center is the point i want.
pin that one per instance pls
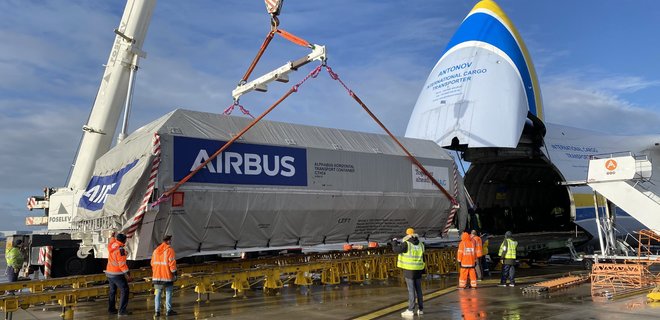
(404, 305)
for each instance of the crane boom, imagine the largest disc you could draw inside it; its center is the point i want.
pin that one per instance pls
(102, 124)
(113, 94)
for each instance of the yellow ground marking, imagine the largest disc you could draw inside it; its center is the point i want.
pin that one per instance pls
(404, 305)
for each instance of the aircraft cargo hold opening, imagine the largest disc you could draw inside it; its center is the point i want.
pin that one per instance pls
(521, 195)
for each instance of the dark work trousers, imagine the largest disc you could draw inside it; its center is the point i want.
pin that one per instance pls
(12, 274)
(121, 283)
(484, 266)
(508, 272)
(415, 289)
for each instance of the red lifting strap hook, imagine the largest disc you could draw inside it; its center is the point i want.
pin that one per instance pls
(274, 23)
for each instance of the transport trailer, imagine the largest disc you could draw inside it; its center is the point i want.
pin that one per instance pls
(280, 186)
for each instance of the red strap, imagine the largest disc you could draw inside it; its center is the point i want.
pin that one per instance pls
(264, 45)
(335, 76)
(293, 89)
(297, 40)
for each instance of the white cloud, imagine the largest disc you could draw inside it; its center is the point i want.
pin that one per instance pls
(574, 101)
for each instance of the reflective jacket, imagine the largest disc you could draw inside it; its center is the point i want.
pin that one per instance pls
(508, 249)
(116, 260)
(113, 244)
(478, 246)
(14, 258)
(484, 249)
(467, 252)
(413, 258)
(163, 264)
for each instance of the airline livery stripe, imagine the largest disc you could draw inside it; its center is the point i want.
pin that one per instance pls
(499, 36)
(587, 200)
(494, 9)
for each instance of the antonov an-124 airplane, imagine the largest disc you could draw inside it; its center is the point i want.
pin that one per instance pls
(483, 99)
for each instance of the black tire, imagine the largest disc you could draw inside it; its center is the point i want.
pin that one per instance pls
(66, 263)
(588, 264)
(75, 266)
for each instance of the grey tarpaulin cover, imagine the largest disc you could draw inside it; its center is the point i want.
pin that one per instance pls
(280, 185)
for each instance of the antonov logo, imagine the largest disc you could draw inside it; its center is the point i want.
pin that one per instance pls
(610, 165)
(241, 163)
(100, 187)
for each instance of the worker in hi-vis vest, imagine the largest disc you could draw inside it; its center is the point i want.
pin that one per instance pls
(479, 251)
(508, 256)
(467, 258)
(118, 275)
(14, 257)
(411, 260)
(163, 264)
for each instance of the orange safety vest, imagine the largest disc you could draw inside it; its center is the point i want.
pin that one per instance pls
(163, 263)
(116, 259)
(466, 254)
(479, 246)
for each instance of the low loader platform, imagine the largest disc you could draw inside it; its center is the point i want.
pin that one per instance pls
(332, 286)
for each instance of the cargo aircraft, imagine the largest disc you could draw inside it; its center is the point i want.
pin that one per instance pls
(483, 100)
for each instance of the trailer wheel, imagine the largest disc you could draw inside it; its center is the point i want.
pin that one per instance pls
(66, 263)
(74, 266)
(588, 264)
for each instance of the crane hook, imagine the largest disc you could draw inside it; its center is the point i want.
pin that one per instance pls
(274, 23)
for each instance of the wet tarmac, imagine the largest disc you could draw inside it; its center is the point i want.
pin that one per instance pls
(382, 300)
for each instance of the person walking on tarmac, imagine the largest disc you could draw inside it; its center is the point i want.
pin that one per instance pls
(479, 252)
(411, 260)
(163, 264)
(508, 255)
(467, 257)
(14, 257)
(118, 275)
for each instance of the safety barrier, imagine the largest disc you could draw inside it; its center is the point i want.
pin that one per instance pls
(630, 276)
(615, 280)
(353, 267)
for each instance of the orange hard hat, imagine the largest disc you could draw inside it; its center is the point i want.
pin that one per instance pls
(410, 231)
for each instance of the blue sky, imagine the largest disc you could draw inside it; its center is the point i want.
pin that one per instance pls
(597, 63)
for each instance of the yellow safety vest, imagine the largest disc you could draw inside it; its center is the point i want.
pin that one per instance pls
(508, 247)
(14, 257)
(413, 259)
